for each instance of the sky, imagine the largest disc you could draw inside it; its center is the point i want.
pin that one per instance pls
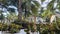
(44, 3)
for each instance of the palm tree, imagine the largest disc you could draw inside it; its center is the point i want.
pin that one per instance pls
(20, 10)
(30, 7)
(52, 9)
(49, 11)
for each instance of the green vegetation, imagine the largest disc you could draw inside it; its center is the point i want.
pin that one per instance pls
(29, 8)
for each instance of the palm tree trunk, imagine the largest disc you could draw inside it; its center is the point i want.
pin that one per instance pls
(35, 23)
(20, 10)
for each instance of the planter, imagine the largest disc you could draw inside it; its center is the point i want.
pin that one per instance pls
(6, 32)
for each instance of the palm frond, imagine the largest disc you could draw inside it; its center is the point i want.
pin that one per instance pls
(36, 3)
